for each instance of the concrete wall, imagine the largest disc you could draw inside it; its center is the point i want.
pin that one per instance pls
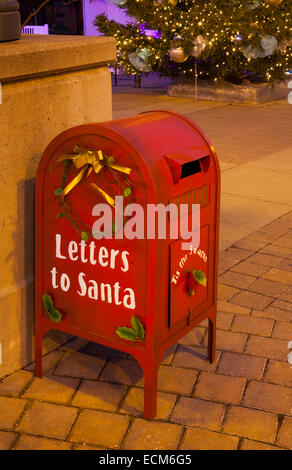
(49, 84)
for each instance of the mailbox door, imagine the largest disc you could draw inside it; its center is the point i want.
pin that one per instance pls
(190, 280)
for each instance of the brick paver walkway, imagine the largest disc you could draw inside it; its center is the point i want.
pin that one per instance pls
(91, 397)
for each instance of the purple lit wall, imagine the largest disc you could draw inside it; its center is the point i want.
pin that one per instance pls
(95, 7)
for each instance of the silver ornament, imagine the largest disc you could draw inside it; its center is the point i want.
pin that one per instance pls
(139, 60)
(267, 46)
(199, 45)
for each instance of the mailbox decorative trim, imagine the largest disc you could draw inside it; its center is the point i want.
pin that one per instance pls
(136, 333)
(85, 162)
(54, 314)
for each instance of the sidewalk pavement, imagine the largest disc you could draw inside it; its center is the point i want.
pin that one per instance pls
(92, 397)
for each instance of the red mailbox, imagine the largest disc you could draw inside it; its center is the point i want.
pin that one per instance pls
(141, 295)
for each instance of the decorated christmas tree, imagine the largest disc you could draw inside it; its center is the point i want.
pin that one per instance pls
(231, 40)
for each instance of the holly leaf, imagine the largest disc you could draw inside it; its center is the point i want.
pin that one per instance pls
(67, 163)
(58, 191)
(48, 302)
(84, 236)
(55, 315)
(126, 333)
(191, 292)
(127, 192)
(200, 277)
(110, 159)
(138, 327)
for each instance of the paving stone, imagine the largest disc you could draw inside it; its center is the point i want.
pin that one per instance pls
(151, 435)
(238, 253)
(279, 275)
(194, 337)
(100, 428)
(286, 219)
(41, 443)
(226, 261)
(267, 347)
(256, 326)
(10, 410)
(47, 419)
(52, 388)
(224, 320)
(176, 379)
(286, 265)
(197, 412)
(273, 313)
(235, 279)
(279, 373)
(79, 365)
(252, 300)
(101, 351)
(229, 307)
(86, 447)
(285, 241)
(123, 371)
(264, 237)
(75, 344)
(283, 305)
(287, 295)
(276, 227)
(194, 358)
(269, 397)
(277, 251)
(134, 403)
(15, 383)
(265, 259)
(99, 395)
(49, 362)
(285, 434)
(6, 440)
(201, 439)
(283, 330)
(266, 287)
(254, 445)
(241, 365)
(226, 292)
(230, 341)
(169, 354)
(252, 269)
(222, 388)
(251, 245)
(254, 424)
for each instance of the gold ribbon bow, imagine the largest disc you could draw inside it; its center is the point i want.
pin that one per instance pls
(89, 160)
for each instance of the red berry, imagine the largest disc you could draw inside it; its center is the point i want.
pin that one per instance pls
(191, 283)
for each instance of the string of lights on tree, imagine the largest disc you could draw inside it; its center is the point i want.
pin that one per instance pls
(230, 40)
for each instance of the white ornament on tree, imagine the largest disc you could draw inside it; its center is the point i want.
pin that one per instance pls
(199, 45)
(139, 60)
(268, 45)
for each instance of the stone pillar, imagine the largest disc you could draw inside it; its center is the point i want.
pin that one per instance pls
(48, 83)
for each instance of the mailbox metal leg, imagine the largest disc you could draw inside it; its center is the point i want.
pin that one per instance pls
(150, 389)
(211, 339)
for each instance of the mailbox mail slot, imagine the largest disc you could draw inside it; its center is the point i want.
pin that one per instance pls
(141, 295)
